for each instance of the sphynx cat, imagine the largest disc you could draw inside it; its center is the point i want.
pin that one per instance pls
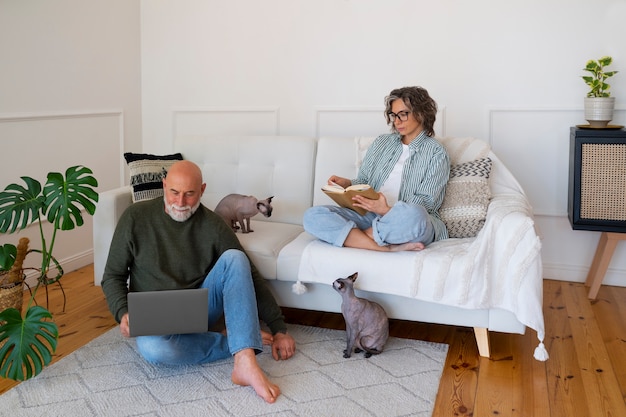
(367, 324)
(238, 208)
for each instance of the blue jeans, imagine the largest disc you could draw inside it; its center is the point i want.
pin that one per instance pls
(231, 293)
(403, 223)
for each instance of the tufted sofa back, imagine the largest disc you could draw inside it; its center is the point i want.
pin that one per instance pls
(279, 166)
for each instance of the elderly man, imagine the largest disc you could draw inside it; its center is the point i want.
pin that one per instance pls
(178, 243)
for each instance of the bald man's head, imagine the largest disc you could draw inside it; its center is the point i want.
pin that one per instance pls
(182, 189)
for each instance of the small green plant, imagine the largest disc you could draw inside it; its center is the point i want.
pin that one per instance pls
(27, 343)
(599, 88)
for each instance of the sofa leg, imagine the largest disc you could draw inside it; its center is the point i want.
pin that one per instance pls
(482, 340)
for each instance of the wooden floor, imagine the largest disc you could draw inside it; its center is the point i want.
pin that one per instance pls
(585, 375)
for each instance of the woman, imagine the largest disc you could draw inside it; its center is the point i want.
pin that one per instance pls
(409, 169)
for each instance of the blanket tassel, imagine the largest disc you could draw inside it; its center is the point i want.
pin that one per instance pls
(541, 354)
(298, 288)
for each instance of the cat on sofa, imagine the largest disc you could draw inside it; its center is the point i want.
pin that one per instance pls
(238, 208)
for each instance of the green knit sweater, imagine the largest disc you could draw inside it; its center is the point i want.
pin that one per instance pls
(159, 253)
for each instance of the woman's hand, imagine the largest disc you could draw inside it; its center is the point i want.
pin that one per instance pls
(379, 206)
(344, 182)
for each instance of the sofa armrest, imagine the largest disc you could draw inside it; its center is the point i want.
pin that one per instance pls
(111, 205)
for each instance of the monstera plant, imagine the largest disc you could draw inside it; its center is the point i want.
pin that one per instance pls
(28, 342)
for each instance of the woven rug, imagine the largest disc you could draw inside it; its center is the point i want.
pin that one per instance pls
(107, 377)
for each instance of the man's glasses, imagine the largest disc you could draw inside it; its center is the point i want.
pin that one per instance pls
(402, 115)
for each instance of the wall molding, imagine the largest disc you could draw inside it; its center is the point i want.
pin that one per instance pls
(492, 111)
(63, 114)
(178, 111)
(320, 110)
(74, 114)
(576, 273)
(71, 263)
(495, 142)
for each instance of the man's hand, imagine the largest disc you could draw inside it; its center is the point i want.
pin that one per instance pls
(124, 327)
(283, 346)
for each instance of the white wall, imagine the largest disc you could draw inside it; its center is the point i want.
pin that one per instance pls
(507, 72)
(83, 80)
(69, 94)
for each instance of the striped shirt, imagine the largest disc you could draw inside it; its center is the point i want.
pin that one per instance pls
(424, 177)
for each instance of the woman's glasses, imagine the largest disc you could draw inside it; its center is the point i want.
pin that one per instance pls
(402, 115)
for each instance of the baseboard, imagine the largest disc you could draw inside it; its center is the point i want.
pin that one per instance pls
(573, 273)
(69, 264)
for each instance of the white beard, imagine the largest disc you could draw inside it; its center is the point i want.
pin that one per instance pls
(180, 214)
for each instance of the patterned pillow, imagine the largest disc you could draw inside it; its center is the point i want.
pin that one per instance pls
(147, 172)
(464, 207)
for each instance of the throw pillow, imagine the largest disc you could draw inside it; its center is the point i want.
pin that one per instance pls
(147, 172)
(464, 207)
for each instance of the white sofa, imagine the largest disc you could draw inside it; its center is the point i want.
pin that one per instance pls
(491, 282)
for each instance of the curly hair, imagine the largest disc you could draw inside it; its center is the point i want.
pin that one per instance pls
(423, 107)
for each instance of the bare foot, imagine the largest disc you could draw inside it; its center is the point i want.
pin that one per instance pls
(246, 372)
(414, 246)
(363, 239)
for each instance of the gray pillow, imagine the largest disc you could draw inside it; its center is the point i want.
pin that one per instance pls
(464, 207)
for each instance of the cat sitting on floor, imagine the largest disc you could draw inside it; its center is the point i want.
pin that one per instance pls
(367, 324)
(237, 208)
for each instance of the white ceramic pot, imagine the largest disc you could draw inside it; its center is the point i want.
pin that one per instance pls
(599, 111)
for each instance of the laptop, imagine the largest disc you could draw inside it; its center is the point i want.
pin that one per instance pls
(155, 313)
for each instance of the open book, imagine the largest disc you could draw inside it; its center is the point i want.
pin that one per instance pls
(343, 196)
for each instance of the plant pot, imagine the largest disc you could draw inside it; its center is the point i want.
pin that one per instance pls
(599, 111)
(11, 294)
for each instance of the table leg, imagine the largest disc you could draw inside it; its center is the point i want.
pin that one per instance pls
(601, 260)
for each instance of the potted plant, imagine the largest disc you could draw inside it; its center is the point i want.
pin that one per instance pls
(27, 342)
(11, 274)
(599, 104)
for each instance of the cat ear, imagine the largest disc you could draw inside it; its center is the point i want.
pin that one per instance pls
(353, 276)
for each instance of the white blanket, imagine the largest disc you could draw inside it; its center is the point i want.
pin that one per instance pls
(500, 268)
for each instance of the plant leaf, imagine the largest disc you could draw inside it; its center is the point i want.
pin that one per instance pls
(20, 206)
(28, 343)
(64, 197)
(8, 252)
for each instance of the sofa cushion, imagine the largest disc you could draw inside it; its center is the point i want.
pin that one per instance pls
(262, 166)
(147, 172)
(266, 242)
(464, 207)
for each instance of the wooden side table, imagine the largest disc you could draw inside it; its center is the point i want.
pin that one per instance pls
(601, 260)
